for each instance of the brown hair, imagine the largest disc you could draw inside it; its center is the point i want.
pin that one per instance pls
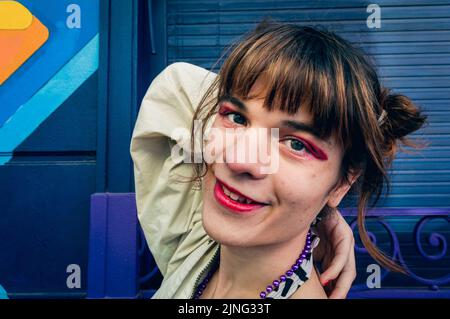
(306, 67)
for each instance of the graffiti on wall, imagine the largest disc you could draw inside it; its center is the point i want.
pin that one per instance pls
(47, 50)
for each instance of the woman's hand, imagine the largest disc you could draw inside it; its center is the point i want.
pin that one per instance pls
(337, 254)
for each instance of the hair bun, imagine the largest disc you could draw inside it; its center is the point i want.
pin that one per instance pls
(402, 115)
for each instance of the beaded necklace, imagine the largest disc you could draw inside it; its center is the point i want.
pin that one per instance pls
(275, 284)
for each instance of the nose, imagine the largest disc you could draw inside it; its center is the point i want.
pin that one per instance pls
(246, 169)
(248, 153)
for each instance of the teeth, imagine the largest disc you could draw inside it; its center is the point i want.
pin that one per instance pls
(235, 197)
(226, 191)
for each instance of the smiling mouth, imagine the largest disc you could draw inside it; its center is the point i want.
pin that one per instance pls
(233, 200)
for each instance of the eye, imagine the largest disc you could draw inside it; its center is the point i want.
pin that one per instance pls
(236, 118)
(296, 145)
(232, 116)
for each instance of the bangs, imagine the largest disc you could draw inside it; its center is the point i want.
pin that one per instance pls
(299, 68)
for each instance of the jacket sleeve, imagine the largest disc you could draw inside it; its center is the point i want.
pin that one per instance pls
(167, 209)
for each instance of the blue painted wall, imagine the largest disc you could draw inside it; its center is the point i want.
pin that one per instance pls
(66, 136)
(48, 132)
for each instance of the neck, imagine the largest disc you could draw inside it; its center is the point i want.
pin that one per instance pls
(246, 271)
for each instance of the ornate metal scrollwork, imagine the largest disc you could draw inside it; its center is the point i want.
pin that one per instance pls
(434, 239)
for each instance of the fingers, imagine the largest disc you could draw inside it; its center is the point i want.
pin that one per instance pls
(342, 250)
(345, 279)
(341, 272)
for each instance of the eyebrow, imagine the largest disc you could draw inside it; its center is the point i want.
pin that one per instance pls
(291, 124)
(234, 100)
(301, 126)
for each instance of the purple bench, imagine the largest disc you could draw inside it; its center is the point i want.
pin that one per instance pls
(117, 249)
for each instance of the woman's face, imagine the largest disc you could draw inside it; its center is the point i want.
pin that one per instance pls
(289, 198)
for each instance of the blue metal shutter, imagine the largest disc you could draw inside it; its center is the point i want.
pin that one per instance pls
(412, 50)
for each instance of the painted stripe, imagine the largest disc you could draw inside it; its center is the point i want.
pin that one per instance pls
(3, 294)
(53, 94)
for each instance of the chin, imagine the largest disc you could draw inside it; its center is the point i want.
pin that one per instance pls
(229, 231)
(219, 229)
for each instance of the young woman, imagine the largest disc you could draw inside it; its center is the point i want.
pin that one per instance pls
(250, 232)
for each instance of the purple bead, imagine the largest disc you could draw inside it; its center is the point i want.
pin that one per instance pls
(276, 283)
(269, 289)
(282, 278)
(294, 267)
(262, 295)
(303, 256)
(299, 261)
(289, 273)
(203, 286)
(308, 247)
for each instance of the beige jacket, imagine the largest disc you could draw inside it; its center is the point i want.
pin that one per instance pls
(170, 212)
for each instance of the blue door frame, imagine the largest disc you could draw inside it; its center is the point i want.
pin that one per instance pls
(132, 53)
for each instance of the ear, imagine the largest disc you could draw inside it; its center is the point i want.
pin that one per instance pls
(338, 193)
